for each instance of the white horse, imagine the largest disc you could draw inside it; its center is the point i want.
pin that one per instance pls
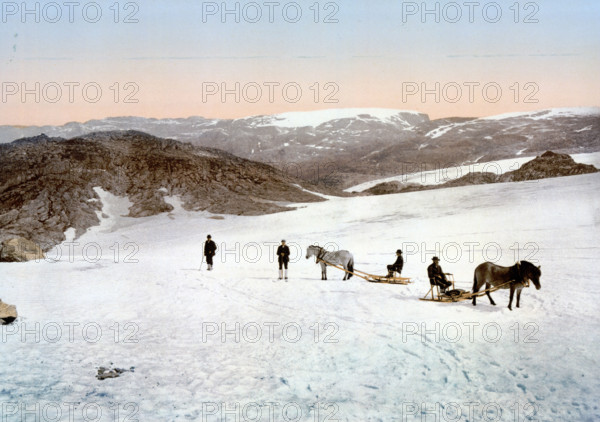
(343, 258)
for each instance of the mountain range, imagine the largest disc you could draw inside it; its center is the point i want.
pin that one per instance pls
(342, 147)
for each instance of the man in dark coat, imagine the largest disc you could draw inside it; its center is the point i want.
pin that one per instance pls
(283, 257)
(210, 248)
(437, 276)
(396, 266)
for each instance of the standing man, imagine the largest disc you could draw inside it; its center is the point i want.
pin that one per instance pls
(283, 257)
(396, 266)
(437, 276)
(210, 248)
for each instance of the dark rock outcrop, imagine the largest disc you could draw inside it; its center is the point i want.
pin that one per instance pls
(549, 164)
(472, 178)
(8, 313)
(385, 188)
(20, 250)
(105, 373)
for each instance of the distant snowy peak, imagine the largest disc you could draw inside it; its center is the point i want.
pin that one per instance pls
(319, 117)
(548, 113)
(405, 118)
(516, 121)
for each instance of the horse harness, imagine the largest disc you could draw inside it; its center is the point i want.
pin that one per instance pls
(321, 254)
(518, 277)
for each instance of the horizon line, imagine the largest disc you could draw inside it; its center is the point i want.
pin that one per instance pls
(515, 113)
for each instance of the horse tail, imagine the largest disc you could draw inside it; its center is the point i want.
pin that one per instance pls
(351, 267)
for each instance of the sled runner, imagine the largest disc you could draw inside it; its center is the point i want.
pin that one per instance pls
(372, 278)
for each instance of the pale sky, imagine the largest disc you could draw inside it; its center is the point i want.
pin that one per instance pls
(178, 58)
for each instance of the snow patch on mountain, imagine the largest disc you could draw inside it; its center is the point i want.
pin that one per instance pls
(584, 129)
(548, 113)
(436, 133)
(318, 117)
(113, 208)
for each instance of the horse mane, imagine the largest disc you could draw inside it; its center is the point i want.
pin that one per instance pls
(528, 266)
(319, 248)
(320, 252)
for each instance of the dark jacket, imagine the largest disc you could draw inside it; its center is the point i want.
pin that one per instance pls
(398, 264)
(209, 248)
(435, 272)
(283, 253)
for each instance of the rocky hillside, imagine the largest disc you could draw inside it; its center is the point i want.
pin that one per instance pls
(46, 184)
(286, 138)
(450, 142)
(347, 146)
(549, 164)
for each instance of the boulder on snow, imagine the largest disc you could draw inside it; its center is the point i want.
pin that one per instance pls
(8, 313)
(385, 188)
(20, 249)
(105, 373)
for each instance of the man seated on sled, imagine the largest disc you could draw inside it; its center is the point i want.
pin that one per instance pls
(437, 276)
(396, 266)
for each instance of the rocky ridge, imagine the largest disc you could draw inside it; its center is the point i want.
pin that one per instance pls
(547, 165)
(46, 184)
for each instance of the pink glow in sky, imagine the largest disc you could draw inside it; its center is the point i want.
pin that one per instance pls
(177, 59)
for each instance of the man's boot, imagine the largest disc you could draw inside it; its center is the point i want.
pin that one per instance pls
(280, 274)
(209, 267)
(286, 274)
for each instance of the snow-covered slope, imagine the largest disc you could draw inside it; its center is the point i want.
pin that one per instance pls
(367, 352)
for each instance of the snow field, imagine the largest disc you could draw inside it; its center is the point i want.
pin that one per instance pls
(236, 339)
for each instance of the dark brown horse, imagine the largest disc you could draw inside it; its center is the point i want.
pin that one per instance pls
(515, 278)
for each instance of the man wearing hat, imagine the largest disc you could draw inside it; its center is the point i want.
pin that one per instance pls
(283, 257)
(210, 249)
(437, 276)
(396, 266)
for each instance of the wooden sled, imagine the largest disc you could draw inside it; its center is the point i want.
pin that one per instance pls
(389, 280)
(455, 295)
(371, 278)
